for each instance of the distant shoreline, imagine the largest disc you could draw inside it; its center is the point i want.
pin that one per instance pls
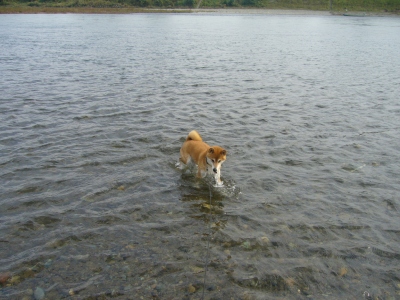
(23, 9)
(266, 11)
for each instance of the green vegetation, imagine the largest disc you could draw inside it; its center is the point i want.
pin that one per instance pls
(121, 6)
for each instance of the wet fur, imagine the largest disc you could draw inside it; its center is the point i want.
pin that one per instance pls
(208, 159)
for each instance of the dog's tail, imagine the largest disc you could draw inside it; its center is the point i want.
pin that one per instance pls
(194, 136)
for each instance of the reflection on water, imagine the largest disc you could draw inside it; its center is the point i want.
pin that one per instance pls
(94, 109)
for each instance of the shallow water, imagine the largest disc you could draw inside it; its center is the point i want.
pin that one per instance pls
(94, 109)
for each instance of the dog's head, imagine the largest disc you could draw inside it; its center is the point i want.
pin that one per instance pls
(216, 156)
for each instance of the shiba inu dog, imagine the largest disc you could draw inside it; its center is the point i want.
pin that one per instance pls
(208, 159)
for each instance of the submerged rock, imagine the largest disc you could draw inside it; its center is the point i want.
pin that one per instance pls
(4, 278)
(342, 271)
(48, 263)
(15, 279)
(38, 294)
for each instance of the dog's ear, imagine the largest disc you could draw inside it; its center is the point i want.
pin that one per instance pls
(223, 152)
(211, 150)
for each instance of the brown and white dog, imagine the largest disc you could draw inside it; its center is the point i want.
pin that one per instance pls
(208, 159)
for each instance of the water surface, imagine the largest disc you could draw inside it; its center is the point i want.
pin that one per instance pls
(93, 111)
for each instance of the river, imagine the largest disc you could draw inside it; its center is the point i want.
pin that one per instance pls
(94, 109)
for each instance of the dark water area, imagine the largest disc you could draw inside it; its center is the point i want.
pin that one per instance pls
(94, 109)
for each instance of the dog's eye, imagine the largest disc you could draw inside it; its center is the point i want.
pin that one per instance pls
(219, 161)
(213, 160)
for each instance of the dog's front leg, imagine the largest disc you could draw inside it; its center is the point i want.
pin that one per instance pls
(200, 173)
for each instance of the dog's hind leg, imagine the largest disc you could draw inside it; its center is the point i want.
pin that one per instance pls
(183, 161)
(179, 164)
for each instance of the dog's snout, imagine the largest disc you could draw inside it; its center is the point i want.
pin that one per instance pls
(215, 170)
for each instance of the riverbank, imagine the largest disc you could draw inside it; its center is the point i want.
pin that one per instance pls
(262, 11)
(25, 9)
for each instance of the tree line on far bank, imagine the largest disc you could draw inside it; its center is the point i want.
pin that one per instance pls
(335, 5)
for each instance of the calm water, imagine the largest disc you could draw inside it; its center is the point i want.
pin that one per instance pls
(94, 109)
